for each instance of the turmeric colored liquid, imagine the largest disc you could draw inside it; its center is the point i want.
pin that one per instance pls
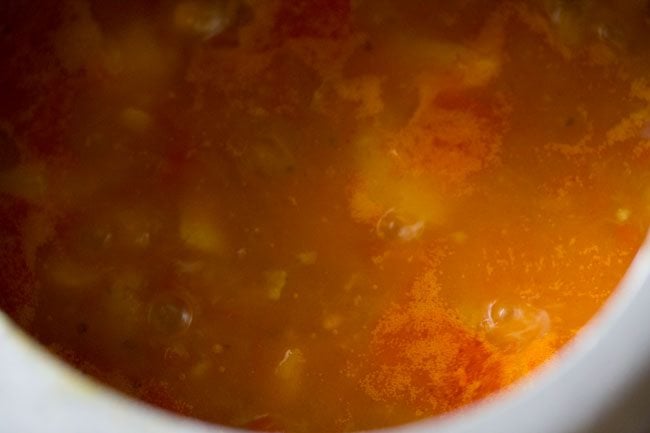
(318, 216)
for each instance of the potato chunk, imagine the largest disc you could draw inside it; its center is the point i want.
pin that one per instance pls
(274, 282)
(200, 229)
(290, 371)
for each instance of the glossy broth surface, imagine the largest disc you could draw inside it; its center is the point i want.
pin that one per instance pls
(318, 216)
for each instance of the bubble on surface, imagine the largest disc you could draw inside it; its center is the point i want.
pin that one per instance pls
(170, 315)
(507, 324)
(204, 18)
(392, 226)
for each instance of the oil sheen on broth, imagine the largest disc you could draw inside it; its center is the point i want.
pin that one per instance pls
(318, 216)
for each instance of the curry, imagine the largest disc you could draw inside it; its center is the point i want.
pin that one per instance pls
(318, 215)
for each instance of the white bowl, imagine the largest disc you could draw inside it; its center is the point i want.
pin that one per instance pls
(600, 382)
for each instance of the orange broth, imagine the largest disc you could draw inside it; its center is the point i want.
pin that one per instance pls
(318, 216)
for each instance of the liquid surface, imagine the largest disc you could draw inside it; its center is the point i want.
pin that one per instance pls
(318, 216)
